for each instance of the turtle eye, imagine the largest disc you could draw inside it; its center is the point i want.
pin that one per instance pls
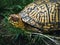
(15, 19)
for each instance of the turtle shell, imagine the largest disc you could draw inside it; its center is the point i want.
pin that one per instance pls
(35, 14)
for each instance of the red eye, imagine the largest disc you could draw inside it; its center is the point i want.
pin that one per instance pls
(14, 19)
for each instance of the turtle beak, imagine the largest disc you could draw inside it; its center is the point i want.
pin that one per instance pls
(9, 18)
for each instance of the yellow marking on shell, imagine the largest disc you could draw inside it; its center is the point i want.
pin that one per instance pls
(39, 9)
(42, 19)
(53, 8)
(57, 13)
(31, 5)
(33, 15)
(43, 7)
(43, 15)
(32, 22)
(41, 1)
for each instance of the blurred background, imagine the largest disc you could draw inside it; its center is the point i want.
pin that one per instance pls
(10, 35)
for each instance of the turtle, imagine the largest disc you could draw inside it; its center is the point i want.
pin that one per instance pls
(37, 16)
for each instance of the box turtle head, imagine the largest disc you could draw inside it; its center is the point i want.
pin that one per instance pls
(16, 20)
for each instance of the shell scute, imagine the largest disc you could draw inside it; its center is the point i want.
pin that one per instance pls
(34, 14)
